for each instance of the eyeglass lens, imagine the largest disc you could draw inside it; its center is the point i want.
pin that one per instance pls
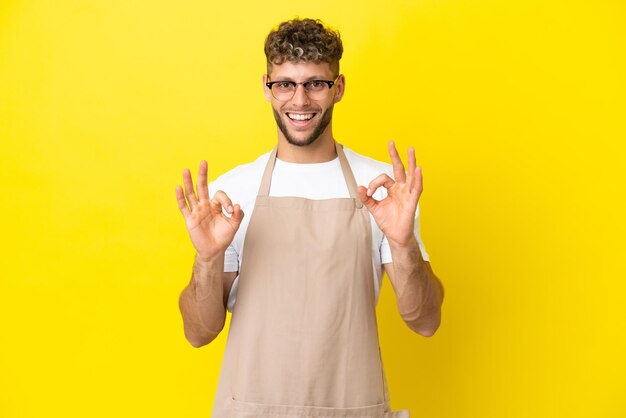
(314, 89)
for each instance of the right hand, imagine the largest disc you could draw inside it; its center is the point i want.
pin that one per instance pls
(211, 231)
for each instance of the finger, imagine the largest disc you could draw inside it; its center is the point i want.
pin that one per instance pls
(182, 203)
(235, 219)
(369, 202)
(396, 162)
(411, 161)
(414, 184)
(382, 180)
(419, 179)
(203, 190)
(221, 200)
(411, 182)
(188, 183)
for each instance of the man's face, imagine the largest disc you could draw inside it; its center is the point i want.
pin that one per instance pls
(301, 119)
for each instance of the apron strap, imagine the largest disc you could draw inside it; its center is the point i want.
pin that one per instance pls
(348, 176)
(266, 180)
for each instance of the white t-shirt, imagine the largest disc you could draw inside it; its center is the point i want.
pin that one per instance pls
(311, 181)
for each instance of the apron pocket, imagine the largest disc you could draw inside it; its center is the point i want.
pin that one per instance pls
(255, 410)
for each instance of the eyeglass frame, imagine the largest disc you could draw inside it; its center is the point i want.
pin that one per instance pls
(269, 85)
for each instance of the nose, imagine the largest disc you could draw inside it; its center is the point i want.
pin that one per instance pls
(300, 97)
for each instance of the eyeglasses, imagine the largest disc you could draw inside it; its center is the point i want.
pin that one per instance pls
(284, 90)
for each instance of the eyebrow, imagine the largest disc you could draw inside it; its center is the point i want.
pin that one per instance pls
(315, 77)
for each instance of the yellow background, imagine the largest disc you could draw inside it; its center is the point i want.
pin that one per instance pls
(516, 108)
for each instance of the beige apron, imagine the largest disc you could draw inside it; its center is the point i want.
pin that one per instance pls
(303, 339)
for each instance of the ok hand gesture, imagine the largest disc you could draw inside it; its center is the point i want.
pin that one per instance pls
(210, 230)
(395, 214)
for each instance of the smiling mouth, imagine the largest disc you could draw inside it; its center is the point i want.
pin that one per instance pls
(300, 116)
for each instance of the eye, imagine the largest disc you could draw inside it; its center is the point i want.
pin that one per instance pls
(316, 84)
(283, 85)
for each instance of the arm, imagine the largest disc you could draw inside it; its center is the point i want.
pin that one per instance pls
(203, 302)
(419, 293)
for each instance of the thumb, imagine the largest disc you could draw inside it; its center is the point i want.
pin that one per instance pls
(369, 202)
(236, 216)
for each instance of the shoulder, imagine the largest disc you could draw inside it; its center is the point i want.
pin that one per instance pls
(241, 180)
(243, 172)
(365, 169)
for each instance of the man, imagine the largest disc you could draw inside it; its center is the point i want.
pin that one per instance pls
(301, 271)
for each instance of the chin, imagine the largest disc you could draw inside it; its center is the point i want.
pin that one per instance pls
(300, 142)
(303, 138)
(300, 138)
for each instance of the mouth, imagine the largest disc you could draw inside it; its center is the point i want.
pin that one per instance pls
(300, 118)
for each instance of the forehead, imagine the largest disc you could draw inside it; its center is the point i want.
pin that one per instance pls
(301, 71)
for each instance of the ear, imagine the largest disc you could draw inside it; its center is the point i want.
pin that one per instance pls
(340, 87)
(266, 91)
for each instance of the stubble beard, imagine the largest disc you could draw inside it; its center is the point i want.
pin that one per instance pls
(319, 129)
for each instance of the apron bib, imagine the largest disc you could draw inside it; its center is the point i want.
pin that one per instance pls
(303, 338)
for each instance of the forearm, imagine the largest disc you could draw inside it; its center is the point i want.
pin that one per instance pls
(419, 293)
(202, 302)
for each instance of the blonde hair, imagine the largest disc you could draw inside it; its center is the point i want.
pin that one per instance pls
(303, 40)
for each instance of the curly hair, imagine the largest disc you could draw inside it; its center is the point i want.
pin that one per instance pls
(303, 40)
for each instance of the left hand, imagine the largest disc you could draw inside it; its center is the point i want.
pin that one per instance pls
(395, 214)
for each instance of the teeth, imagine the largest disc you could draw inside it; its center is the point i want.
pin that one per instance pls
(300, 116)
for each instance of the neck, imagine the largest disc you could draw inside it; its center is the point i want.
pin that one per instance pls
(320, 151)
